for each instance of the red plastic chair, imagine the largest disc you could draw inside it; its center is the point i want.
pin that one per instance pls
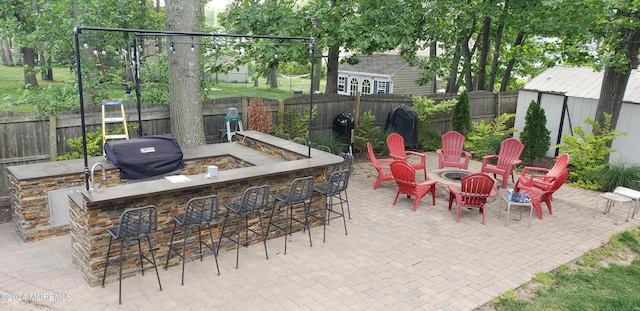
(450, 155)
(381, 165)
(395, 143)
(538, 196)
(507, 158)
(473, 193)
(545, 181)
(405, 177)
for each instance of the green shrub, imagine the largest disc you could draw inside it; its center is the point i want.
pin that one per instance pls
(367, 131)
(94, 143)
(619, 174)
(294, 124)
(589, 152)
(461, 118)
(535, 135)
(486, 138)
(332, 141)
(426, 109)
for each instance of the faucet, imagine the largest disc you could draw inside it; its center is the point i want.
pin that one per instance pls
(92, 184)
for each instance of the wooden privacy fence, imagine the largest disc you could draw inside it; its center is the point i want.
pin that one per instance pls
(26, 139)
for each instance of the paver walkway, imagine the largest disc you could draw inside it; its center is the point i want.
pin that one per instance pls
(392, 259)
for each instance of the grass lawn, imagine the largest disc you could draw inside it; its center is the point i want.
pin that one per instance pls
(607, 278)
(12, 84)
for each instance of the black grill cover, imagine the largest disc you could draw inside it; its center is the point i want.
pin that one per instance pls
(404, 121)
(145, 156)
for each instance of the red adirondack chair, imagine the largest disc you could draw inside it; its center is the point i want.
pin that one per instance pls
(405, 177)
(531, 176)
(538, 196)
(395, 143)
(381, 166)
(507, 158)
(473, 193)
(452, 151)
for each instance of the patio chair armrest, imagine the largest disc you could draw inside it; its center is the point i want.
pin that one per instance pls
(422, 156)
(528, 169)
(487, 158)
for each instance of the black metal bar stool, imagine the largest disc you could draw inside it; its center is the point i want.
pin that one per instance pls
(200, 212)
(136, 224)
(253, 201)
(346, 165)
(301, 191)
(333, 188)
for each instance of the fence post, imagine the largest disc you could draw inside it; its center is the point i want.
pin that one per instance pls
(53, 137)
(281, 116)
(357, 108)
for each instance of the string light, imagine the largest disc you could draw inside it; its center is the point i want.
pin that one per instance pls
(192, 46)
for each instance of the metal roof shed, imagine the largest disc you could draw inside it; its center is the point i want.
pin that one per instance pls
(569, 95)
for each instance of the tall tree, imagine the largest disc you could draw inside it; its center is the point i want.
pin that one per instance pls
(624, 43)
(186, 107)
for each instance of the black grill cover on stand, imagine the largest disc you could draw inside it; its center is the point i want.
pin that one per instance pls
(404, 121)
(145, 157)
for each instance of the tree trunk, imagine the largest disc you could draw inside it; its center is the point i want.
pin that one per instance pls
(332, 70)
(484, 52)
(510, 64)
(273, 77)
(614, 81)
(317, 73)
(433, 50)
(496, 49)
(29, 62)
(184, 75)
(466, 68)
(7, 59)
(49, 71)
(452, 83)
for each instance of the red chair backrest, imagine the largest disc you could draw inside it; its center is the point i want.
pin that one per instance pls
(510, 149)
(395, 143)
(561, 163)
(405, 176)
(372, 156)
(475, 189)
(452, 145)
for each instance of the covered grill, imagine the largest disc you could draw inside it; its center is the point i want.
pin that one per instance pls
(145, 156)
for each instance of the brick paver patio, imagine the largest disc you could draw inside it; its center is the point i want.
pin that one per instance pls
(392, 259)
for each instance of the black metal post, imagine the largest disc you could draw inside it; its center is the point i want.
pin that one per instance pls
(77, 30)
(136, 78)
(312, 52)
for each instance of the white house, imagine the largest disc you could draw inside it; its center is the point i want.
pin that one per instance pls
(569, 95)
(381, 73)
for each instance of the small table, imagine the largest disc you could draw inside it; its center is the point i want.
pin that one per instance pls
(612, 198)
(509, 203)
(629, 193)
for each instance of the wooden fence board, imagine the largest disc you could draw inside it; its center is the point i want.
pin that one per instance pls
(26, 139)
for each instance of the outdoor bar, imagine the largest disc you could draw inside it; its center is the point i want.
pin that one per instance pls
(254, 159)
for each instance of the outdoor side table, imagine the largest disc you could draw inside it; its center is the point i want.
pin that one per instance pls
(509, 204)
(612, 198)
(632, 194)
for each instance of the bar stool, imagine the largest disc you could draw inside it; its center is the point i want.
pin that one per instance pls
(333, 188)
(200, 212)
(301, 191)
(136, 224)
(345, 165)
(253, 201)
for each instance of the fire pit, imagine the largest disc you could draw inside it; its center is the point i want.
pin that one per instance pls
(446, 177)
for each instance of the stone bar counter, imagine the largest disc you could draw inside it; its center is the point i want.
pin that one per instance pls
(254, 159)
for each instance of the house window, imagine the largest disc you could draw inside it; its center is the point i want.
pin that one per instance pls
(366, 86)
(353, 86)
(342, 84)
(382, 87)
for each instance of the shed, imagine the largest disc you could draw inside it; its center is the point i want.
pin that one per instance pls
(569, 95)
(381, 73)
